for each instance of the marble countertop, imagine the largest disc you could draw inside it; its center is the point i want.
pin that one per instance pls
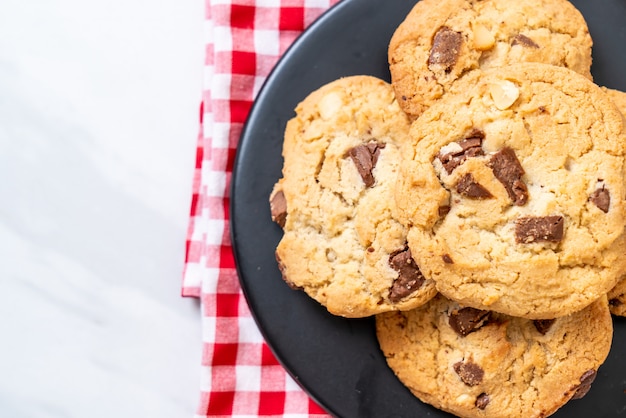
(98, 124)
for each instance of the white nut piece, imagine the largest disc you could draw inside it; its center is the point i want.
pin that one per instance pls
(466, 400)
(483, 38)
(329, 105)
(504, 93)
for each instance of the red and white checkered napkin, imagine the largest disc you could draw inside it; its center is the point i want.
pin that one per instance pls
(240, 376)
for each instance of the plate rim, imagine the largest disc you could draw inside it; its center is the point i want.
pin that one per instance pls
(280, 63)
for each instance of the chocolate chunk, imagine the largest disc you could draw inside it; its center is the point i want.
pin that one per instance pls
(281, 267)
(444, 210)
(470, 373)
(365, 158)
(471, 146)
(467, 320)
(524, 40)
(278, 208)
(615, 302)
(409, 279)
(468, 187)
(482, 401)
(447, 259)
(450, 161)
(543, 325)
(520, 192)
(508, 170)
(446, 48)
(539, 228)
(585, 384)
(476, 133)
(601, 198)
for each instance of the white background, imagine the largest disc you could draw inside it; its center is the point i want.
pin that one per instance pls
(99, 104)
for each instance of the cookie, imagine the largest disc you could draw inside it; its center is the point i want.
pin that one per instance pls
(617, 298)
(514, 191)
(617, 295)
(439, 41)
(342, 243)
(476, 363)
(618, 97)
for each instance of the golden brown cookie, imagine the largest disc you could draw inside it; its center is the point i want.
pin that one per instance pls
(476, 363)
(617, 295)
(514, 191)
(342, 243)
(440, 41)
(618, 97)
(617, 298)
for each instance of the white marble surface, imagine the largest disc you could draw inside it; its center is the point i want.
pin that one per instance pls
(98, 123)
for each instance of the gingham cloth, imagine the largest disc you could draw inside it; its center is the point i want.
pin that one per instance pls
(240, 376)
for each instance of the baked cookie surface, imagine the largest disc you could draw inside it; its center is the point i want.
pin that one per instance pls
(617, 298)
(618, 97)
(476, 363)
(617, 295)
(514, 192)
(342, 243)
(440, 41)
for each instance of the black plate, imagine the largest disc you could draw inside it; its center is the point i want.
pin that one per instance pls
(336, 360)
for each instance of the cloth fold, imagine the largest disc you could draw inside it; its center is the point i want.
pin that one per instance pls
(240, 376)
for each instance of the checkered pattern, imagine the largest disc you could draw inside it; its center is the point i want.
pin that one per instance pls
(240, 376)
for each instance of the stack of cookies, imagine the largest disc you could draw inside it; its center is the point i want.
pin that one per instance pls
(475, 205)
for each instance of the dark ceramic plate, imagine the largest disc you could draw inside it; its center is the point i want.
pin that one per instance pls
(336, 360)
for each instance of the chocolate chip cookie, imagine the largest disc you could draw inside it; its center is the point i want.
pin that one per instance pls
(342, 243)
(476, 363)
(617, 298)
(617, 295)
(618, 97)
(440, 41)
(514, 192)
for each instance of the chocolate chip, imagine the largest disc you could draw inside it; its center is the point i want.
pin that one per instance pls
(615, 302)
(476, 133)
(447, 259)
(601, 198)
(443, 211)
(468, 187)
(508, 170)
(365, 158)
(524, 40)
(450, 161)
(470, 373)
(482, 401)
(543, 325)
(446, 48)
(471, 146)
(467, 320)
(539, 228)
(585, 384)
(409, 279)
(278, 208)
